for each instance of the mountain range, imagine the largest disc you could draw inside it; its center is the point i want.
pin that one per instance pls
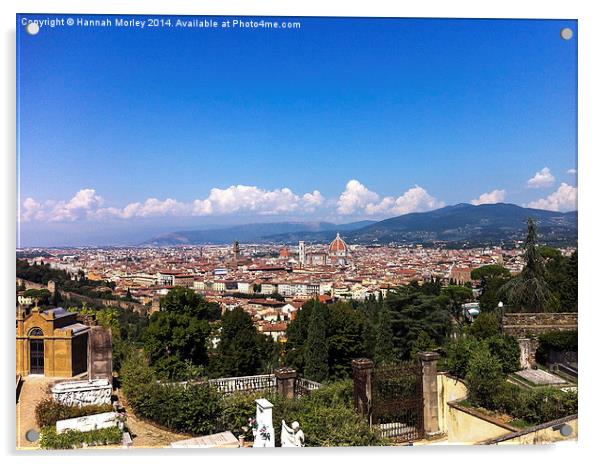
(255, 233)
(461, 224)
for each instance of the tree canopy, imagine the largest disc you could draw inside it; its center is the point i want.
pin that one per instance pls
(529, 291)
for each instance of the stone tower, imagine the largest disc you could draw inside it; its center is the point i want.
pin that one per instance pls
(235, 251)
(302, 255)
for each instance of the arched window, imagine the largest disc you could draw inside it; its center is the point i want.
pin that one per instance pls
(36, 332)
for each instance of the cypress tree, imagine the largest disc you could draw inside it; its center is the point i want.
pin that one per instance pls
(384, 351)
(316, 351)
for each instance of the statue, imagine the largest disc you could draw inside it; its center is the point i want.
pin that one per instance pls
(291, 437)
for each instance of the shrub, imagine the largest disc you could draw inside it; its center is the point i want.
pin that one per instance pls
(192, 408)
(326, 419)
(545, 404)
(335, 393)
(555, 341)
(457, 354)
(484, 377)
(50, 439)
(485, 325)
(236, 411)
(48, 411)
(506, 349)
(535, 406)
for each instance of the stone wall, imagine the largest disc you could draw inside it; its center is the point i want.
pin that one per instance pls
(527, 325)
(82, 393)
(136, 307)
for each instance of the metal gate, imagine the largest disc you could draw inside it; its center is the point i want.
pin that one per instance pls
(36, 356)
(397, 401)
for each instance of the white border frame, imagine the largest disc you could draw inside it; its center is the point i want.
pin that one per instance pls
(590, 77)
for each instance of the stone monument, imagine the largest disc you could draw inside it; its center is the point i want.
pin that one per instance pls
(292, 436)
(264, 433)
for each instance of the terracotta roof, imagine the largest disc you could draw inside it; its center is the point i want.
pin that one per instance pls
(338, 244)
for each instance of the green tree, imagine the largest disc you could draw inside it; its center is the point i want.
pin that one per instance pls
(370, 310)
(384, 351)
(529, 291)
(456, 296)
(413, 312)
(173, 340)
(506, 350)
(344, 329)
(561, 276)
(241, 350)
(489, 272)
(485, 325)
(185, 301)
(423, 343)
(316, 352)
(458, 352)
(484, 377)
(41, 297)
(296, 337)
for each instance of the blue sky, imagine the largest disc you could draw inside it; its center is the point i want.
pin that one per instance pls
(342, 119)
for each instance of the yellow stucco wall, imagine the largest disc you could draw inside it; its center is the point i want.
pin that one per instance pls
(468, 429)
(461, 427)
(547, 435)
(57, 345)
(448, 389)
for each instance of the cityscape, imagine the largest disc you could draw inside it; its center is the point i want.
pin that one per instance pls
(297, 245)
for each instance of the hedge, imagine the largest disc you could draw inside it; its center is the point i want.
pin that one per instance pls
(327, 415)
(50, 439)
(48, 411)
(534, 406)
(555, 341)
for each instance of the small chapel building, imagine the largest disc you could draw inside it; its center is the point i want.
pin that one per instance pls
(51, 342)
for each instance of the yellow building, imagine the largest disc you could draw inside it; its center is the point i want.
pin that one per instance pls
(51, 343)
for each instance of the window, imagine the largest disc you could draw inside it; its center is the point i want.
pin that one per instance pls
(36, 332)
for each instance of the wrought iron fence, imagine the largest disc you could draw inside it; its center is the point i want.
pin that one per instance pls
(397, 401)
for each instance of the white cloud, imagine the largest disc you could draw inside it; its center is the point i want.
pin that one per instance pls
(543, 178)
(495, 196)
(152, 207)
(83, 203)
(563, 199)
(234, 199)
(414, 200)
(238, 198)
(357, 199)
(572, 171)
(31, 209)
(313, 200)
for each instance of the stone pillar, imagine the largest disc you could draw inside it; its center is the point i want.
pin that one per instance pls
(528, 348)
(362, 385)
(285, 382)
(428, 360)
(100, 353)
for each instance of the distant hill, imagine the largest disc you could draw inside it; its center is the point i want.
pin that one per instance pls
(249, 233)
(456, 225)
(465, 223)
